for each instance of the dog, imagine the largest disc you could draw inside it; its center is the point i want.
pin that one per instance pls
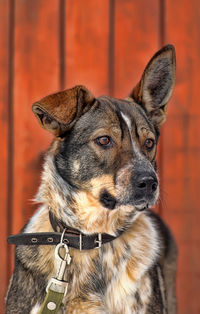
(98, 185)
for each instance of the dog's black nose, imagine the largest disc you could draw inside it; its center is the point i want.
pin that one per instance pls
(146, 183)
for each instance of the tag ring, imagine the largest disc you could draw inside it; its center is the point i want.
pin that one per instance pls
(62, 236)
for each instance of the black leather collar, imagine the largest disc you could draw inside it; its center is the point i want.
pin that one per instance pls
(72, 237)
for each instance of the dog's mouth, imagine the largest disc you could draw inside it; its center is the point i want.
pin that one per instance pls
(110, 202)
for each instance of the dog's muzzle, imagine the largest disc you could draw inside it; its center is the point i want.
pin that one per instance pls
(145, 189)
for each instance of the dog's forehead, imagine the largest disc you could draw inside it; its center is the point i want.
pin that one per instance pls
(114, 108)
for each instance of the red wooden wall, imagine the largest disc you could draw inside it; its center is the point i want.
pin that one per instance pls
(46, 46)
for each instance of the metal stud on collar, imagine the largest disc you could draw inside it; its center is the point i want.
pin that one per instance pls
(80, 242)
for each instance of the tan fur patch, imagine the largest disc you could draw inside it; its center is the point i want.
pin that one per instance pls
(101, 183)
(76, 166)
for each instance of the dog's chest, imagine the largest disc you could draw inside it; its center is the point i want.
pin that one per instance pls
(113, 281)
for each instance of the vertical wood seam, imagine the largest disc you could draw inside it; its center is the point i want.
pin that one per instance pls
(162, 22)
(61, 43)
(111, 48)
(10, 147)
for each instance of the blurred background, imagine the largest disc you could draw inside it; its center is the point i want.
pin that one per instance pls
(47, 46)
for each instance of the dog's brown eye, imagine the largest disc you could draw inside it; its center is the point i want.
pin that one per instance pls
(103, 141)
(149, 143)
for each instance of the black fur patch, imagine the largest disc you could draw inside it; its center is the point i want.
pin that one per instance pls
(107, 200)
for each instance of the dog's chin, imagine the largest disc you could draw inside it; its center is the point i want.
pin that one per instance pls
(141, 206)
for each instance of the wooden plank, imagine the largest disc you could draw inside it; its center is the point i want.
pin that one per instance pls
(181, 155)
(4, 118)
(136, 40)
(87, 44)
(36, 75)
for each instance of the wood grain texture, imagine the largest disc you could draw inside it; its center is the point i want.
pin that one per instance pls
(181, 150)
(86, 49)
(36, 75)
(136, 40)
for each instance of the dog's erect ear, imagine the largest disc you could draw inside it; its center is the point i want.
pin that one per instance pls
(58, 112)
(155, 87)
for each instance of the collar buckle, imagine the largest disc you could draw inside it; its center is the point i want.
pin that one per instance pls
(99, 241)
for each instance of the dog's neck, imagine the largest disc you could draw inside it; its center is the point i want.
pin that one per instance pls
(54, 193)
(59, 226)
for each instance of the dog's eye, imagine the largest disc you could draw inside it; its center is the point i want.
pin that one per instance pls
(103, 141)
(149, 143)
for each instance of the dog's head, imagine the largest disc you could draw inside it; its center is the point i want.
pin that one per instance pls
(106, 147)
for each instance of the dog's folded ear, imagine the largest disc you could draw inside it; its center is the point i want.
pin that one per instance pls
(155, 87)
(58, 112)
